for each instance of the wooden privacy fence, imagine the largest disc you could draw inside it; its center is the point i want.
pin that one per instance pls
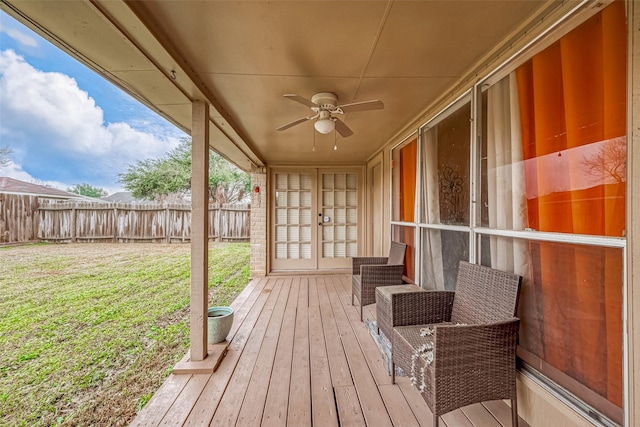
(18, 218)
(115, 222)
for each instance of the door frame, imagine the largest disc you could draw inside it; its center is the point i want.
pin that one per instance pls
(371, 246)
(312, 265)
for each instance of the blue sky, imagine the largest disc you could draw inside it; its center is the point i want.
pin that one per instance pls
(66, 124)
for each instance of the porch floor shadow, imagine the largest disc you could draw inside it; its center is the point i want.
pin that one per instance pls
(300, 356)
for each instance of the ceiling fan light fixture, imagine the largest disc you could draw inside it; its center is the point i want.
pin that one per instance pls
(324, 126)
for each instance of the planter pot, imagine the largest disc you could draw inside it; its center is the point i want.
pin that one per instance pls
(219, 323)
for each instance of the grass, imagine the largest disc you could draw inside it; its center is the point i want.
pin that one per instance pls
(89, 331)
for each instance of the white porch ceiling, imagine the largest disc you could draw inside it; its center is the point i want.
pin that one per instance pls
(242, 56)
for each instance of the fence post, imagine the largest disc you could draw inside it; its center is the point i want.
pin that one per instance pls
(219, 222)
(167, 232)
(115, 224)
(73, 224)
(183, 227)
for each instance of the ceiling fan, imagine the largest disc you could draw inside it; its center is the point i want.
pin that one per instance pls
(325, 105)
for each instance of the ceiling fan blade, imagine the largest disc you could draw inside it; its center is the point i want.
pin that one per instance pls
(342, 128)
(295, 122)
(361, 106)
(300, 99)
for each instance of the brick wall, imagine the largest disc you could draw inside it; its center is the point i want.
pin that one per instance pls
(258, 264)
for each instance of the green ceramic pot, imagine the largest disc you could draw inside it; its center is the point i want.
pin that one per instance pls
(219, 323)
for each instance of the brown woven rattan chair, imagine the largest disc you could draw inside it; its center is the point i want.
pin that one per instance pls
(370, 272)
(405, 306)
(466, 353)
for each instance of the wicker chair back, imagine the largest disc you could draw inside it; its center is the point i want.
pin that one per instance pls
(484, 295)
(396, 253)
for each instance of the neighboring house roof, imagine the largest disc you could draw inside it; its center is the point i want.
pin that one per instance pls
(15, 186)
(124, 197)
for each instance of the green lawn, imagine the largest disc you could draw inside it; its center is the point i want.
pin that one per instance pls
(89, 331)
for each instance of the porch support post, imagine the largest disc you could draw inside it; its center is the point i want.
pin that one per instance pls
(199, 229)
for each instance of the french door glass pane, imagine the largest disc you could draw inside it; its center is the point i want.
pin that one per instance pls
(339, 205)
(293, 216)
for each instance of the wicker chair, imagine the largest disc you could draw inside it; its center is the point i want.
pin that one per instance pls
(370, 272)
(470, 356)
(406, 306)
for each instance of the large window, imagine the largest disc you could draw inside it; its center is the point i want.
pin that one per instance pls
(404, 180)
(444, 207)
(553, 160)
(541, 192)
(404, 199)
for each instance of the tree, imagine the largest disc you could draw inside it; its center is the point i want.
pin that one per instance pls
(87, 190)
(160, 179)
(5, 155)
(610, 162)
(227, 183)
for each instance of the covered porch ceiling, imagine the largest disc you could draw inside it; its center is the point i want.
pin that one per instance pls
(242, 56)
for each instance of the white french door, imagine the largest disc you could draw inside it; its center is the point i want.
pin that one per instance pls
(315, 218)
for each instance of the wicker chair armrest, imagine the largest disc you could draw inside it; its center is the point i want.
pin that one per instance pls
(380, 275)
(477, 361)
(358, 261)
(419, 308)
(477, 346)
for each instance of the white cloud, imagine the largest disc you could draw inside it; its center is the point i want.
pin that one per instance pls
(20, 37)
(50, 122)
(13, 170)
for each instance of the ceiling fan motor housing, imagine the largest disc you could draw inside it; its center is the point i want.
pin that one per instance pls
(325, 101)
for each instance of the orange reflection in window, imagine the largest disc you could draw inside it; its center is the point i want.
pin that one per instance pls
(572, 99)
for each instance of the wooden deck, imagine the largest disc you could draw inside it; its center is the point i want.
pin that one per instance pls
(299, 356)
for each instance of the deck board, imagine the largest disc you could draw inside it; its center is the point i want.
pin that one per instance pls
(348, 405)
(277, 403)
(256, 395)
(155, 410)
(179, 411)
(299, 356)
(369, 348)
(373, 408)
(339, 368)
(502, 412)
(300, 385)
(397, 406)
(229, 407)
(242, 312)
(479, 415)
(415, 401)
(456, 418)
(324, 411)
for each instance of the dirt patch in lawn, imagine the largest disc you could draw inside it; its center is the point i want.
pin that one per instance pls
(90, 331)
